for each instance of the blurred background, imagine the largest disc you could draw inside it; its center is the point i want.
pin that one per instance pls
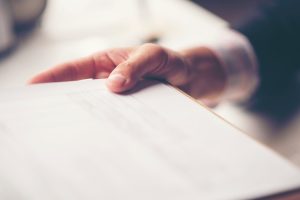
(36, 34)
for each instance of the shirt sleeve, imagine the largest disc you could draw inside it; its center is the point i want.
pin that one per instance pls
(239, 62)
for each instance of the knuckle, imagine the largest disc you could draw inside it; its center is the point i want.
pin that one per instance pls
(127, 64)
(149, 45)
(126, 68)
(154, 48)
(156, 51)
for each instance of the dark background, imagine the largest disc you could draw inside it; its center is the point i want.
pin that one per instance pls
(233, 11)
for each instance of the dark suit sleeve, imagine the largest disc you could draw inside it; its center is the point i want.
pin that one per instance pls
(275, 37)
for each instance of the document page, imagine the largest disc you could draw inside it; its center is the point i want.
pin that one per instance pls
(77, 140)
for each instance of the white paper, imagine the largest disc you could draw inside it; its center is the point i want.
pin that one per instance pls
(77, 140)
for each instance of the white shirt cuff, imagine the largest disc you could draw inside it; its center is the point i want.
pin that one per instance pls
(238, 59)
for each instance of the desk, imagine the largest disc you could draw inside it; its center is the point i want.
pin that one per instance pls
(73, 30)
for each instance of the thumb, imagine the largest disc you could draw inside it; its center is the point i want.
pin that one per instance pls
(148, 59)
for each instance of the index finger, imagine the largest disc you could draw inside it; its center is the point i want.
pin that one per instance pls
(83, 68)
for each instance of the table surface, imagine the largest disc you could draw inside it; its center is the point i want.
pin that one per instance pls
(71, 31)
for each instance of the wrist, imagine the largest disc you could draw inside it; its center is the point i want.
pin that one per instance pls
(205, 71)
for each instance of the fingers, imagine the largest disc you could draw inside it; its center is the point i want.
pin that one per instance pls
(98, 65)
(124, 67)
(80, 69)
(147, 60)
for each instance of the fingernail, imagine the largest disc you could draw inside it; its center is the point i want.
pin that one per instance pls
(117, 80)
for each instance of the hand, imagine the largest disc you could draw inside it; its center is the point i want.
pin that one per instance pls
(195, 71)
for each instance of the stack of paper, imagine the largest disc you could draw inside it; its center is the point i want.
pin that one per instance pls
(77, 140)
